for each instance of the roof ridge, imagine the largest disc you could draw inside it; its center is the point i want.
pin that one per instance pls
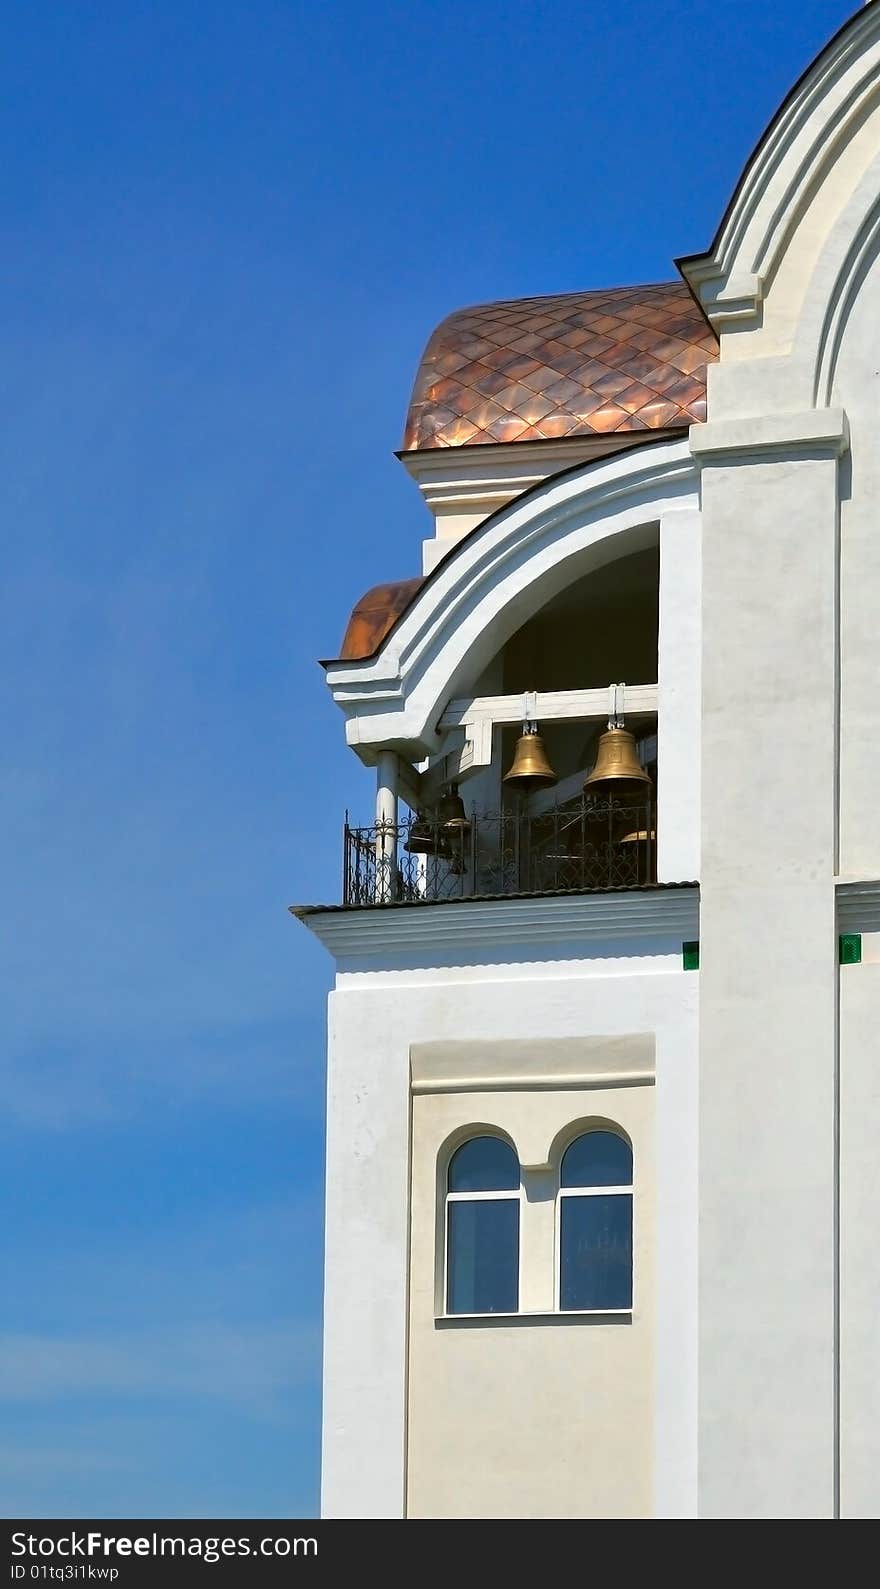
(576, 292)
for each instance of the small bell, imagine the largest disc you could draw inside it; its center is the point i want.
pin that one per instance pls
(451, 815)
(424, 839)
(530, 768)
(618, 769)
(638, 853)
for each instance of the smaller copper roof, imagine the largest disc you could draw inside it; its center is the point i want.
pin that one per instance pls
(373, 616)
(580, 364)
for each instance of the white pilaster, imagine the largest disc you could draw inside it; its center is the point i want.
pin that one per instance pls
(767, 1240)
(676, 1343)
(679, 707)
(365, 1266)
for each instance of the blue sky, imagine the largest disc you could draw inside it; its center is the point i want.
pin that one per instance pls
(227, 232)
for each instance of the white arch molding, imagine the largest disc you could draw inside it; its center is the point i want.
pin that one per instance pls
(494, 580)
(817, 140)
(845, 263)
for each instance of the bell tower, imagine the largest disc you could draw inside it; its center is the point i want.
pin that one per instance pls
(513, 1028)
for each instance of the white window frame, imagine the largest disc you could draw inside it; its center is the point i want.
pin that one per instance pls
(481, 1197)
(627, 1190)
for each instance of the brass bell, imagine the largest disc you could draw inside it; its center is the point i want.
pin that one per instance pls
(451, 815)
(530, 768)
(424, 839)
(618, 769)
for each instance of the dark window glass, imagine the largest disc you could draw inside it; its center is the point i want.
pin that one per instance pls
(596, 1241)
(483, 1256)
(484, 1164)
(598, 1158)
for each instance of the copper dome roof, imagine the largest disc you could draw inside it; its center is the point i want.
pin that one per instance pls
(580, 364)
(374, 614)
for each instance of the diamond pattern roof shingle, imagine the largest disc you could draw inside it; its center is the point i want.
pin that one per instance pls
(374, 614)
(580, 364)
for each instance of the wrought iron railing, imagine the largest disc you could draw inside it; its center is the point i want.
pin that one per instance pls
(585, 844)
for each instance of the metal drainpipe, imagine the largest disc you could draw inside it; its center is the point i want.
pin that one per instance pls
(386, 826)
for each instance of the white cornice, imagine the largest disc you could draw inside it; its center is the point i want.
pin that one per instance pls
(487, 924)
(823, 429)
(493, 462)
(858, 907)
(461, 476)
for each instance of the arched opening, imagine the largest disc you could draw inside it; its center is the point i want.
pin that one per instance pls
(600, 629)
(544, 623)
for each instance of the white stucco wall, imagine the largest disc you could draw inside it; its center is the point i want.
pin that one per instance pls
(859, 1223)
(538, 993)
(768, 981)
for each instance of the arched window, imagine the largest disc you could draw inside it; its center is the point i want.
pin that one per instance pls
(595, 1224)
(482, 1228)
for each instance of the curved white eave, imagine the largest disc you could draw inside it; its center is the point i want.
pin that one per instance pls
(804, 139)
(507, 568)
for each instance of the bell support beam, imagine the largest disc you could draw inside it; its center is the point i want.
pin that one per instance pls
(421, 789)
(457, 763)
(558, 706)
(410, 785)
(476, 718)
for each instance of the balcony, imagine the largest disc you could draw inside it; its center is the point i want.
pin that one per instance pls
(577, 846)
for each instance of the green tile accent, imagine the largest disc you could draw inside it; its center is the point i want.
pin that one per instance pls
(850, 948)
(690, 955)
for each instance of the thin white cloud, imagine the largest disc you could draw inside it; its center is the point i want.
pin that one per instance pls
(150, 842)
(249, 1365)
(47, 1462)
(66, 1083)
(235, 1264)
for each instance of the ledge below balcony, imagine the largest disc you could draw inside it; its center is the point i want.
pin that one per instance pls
(655, 919)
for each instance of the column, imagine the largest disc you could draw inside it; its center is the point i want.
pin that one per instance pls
(678, 715)
(386, 827)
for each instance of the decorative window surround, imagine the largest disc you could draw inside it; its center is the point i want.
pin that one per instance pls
(555, 1064)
